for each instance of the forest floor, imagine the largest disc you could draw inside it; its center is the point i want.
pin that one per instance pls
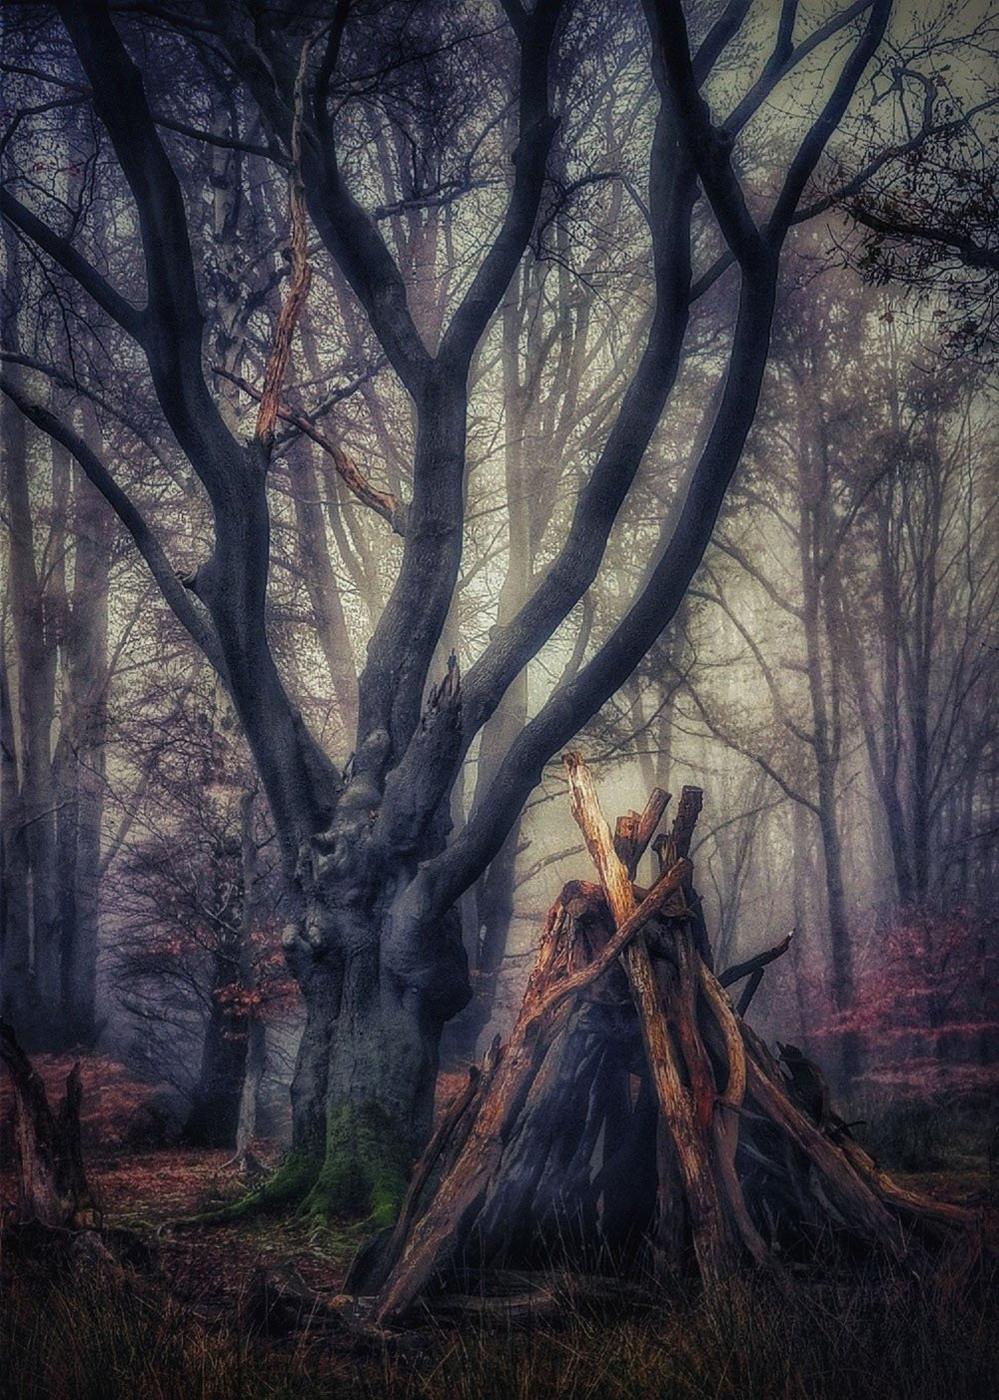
(189, 1329)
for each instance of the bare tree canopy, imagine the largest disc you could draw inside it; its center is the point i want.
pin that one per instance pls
(368, 321)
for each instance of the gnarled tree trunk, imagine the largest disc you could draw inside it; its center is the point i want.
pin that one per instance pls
(362, 1095)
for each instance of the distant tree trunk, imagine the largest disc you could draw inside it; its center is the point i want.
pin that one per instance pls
(36, 662)
(82, 769)
(823, 686)
(255, 1061)
(801, 884)
(839, 927)
(214, 1115)
(256, 1064)
(15, 930)
(887, 771)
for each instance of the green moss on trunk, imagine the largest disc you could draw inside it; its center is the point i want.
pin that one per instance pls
(360, 1176)
(363, 1172)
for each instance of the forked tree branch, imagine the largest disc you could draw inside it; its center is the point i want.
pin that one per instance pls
(721, 33)
(576, 565)
(708, 147)
(171, 326)
(814, 143)
(383, 503)
(570, 706)
(536, 128)
(672, 189)
(408, 632)
(784, 59)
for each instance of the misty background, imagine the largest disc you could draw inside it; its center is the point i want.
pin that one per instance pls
(829, 681)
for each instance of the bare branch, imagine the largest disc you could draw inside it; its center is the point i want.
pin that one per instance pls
(757, 963)
(709, 148)
(536, 131)
(383, 503)
(301, 274)
(60, 250)
(172, 323)
(784, 59)
(970, 252)
(825, 124)
(128, 513)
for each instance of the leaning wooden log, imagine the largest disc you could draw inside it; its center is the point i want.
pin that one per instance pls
(682, 1108)
(632, 1120)
(437, 1236)
(51, 1181)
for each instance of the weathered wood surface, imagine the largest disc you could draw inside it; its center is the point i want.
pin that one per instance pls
(679, 1106)
(632, 1110)
(52, 1183)
(439, 1233)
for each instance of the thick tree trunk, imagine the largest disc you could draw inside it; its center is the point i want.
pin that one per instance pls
(363, 1090)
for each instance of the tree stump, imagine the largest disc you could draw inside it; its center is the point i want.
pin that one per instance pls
(632, 1119)
(52, 1183)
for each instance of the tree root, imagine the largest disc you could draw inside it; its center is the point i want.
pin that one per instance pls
(283, 1190)
(360, 1178)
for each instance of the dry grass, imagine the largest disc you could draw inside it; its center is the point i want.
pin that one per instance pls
(894, 1336)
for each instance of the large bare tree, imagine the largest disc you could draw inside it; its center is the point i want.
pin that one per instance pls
(368, 851)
